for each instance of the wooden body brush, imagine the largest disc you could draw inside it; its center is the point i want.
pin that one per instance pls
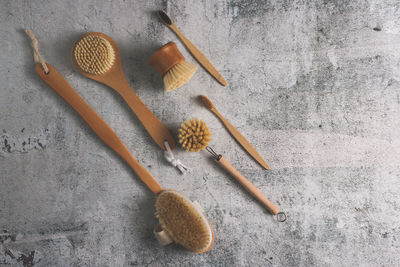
(180, 219)
(96, 56)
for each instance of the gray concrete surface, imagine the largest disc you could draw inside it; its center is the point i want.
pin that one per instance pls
(313, 84)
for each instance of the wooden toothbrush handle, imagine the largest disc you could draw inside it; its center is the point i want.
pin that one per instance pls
(248, 185)
(98, 125)
(201, 58)
(153, 125)
(242, 140)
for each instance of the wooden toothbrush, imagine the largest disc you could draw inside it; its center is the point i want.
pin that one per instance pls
(235, 133)
(192, 48)
(174, 210)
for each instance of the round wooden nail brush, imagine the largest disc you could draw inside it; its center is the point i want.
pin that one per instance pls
(194, 135)
(172, 66)
(254, 191)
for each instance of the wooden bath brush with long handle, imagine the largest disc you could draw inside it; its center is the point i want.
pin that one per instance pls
(96, 56)
(181, 220)
(194, 135)
(235, 133)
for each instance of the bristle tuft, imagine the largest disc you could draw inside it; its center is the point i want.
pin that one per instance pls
(194, 135)
(178, 75)
(184, 223)
(94, 54)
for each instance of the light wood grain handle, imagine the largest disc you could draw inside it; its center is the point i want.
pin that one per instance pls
(201, 58)
(98, 125)
(248, 185)
(153, 125)
(242, 140)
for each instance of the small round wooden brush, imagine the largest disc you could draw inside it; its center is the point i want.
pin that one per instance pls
(171, 65)
(194, 135)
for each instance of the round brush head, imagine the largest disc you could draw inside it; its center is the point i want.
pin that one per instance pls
(94, 54)
(194, 135)
(184, 221)
(178, 75)
(171, 65)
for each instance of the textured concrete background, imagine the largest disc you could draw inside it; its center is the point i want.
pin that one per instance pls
(314, 85)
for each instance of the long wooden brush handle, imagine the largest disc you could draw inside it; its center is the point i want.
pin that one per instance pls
(201, 58)
(98, 125)
(248, 185)
(153, 125)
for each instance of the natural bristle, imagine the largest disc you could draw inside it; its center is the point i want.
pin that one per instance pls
(178, 75)
(94, 54)
(164, 17)
(185, 223)
(194, 135)
(207, 102)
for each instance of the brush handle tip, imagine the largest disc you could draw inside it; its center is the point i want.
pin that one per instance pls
(254, 191)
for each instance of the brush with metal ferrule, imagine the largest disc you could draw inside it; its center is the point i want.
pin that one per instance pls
(254, 191)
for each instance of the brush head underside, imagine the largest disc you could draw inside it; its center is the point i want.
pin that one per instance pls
(94, 54)
(184, 221)
(178, 75)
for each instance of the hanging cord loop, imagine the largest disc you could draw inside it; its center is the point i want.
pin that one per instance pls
(169, 156)
(36, 55)
(281, 216)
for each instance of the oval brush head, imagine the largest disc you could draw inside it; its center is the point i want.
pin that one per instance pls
(184, 221)
(94, 54)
